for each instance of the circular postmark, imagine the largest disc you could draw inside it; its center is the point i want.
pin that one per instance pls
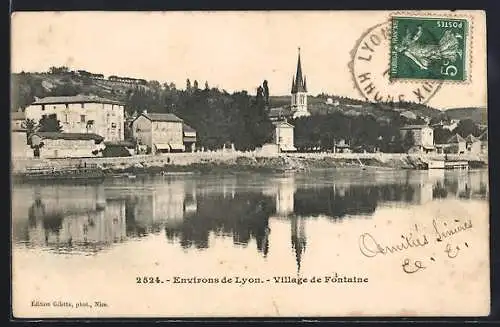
(370, 68)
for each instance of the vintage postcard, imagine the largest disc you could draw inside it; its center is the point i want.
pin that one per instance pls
(249, 164)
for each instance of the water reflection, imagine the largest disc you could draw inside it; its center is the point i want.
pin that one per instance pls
(191, 211)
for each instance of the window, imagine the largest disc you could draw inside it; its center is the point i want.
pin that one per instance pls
(113, 125)
(66, 105)
(66, 118)
(43, 107)
(82, 118)
(83, 105)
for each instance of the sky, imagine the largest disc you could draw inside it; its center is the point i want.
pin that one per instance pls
(231, 50)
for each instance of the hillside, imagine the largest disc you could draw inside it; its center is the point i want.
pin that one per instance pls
(27, 86)
(478, 115)
(319, 105)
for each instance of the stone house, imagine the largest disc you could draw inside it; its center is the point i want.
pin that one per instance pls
(66, 145)
(82, 114)
(423, 137)
(159, 132)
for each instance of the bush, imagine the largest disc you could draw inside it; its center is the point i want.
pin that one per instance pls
(115, 151)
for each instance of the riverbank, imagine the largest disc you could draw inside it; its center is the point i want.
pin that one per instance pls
(242, 162)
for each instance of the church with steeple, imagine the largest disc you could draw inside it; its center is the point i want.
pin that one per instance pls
(284, 131)
(299, 92)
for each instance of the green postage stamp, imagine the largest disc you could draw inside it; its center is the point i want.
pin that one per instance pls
(429, 48)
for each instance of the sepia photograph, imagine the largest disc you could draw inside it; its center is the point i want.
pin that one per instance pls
(190, 164)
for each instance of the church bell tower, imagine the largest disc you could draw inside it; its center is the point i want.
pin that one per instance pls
(299, 93)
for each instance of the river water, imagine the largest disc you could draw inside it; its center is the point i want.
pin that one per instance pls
(86, 242)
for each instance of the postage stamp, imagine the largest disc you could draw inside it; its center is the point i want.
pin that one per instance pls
(429, 48)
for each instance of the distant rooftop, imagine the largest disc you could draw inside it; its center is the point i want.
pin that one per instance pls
(75, 99)
(161, 117)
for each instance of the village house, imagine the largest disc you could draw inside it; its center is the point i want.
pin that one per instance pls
(423, 137)
(66, 145)
(484, 141)
(189, 137)
(82, 114)
(283, 136)
(159, 132)
(342, 147)
(473, 144)
(455, 144)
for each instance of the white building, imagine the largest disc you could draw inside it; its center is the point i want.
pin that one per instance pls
(299, 93)
(82, 114)
(283, 136)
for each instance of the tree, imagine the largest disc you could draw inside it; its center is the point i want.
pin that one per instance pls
(49, 124)
(466, 127)
(188, 85)
(441, 135)
(266, 92)
(206, 86)
(195, 85)
(30, 126)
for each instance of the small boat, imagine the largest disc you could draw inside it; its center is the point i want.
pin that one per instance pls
(81, 173)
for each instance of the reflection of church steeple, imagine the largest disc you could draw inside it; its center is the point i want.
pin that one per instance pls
(298, 239)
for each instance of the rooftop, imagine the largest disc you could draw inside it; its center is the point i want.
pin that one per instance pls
(456, 139)
(282, 124)
(75, 99)
(471, 139)
(188, 129)
(161, 117)
(69, 136)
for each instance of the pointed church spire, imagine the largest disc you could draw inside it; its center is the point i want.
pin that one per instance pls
(305, 84)
(299, 81)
